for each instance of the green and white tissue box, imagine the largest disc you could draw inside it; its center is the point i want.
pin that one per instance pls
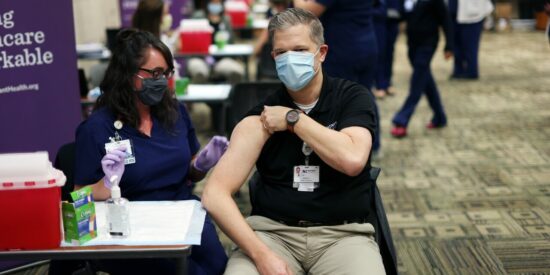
(79, 218)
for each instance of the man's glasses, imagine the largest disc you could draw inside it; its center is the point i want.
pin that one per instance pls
(158, 72)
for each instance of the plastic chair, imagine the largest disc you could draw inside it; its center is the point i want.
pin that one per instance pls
(378, 220)
(243, 97)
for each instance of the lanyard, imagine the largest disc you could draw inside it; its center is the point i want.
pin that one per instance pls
(307, 152)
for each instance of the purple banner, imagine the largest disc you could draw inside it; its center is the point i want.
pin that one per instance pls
(39, 91)
(178, 9)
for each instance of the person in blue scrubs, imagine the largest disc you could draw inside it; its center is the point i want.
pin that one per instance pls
(386, 23)
(466, 45)
(136, 105)
(349, 30)
(424, 18)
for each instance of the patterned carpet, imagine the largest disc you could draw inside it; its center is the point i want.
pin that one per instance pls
(474, 197)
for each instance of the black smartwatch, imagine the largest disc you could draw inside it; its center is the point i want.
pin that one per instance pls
(292, 118)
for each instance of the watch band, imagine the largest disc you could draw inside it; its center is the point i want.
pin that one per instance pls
(290, 126)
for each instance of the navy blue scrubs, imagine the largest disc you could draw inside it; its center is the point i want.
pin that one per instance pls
(160, 173)
(353, 50)
(386, 35)
(423, 23)
(466, 47)
(379, 20)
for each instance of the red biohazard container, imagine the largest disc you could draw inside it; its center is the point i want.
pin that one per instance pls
(238, 18)
(30, 208)
(195, 41)
(237, 11)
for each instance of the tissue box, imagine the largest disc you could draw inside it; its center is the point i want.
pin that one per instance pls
(30, 196)
(79, 218)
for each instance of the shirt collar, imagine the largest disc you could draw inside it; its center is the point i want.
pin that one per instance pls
(322, 105)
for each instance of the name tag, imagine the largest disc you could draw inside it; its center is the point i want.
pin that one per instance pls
(306, 178)
(130, 158)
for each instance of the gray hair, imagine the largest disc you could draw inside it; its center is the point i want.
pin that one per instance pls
(294, 16)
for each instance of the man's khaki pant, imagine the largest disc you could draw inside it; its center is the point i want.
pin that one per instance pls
(339, 249)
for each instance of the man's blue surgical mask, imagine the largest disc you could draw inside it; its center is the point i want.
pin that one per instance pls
(215, 8)
(295, 69)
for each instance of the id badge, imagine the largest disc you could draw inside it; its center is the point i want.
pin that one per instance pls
(130, 158)
(306, 186)
(306, 177)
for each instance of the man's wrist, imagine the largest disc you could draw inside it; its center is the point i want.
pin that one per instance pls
(292, 117)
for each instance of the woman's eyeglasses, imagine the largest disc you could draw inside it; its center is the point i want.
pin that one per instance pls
(158, 72)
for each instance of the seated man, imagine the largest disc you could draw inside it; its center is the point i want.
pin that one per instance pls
(311, 220)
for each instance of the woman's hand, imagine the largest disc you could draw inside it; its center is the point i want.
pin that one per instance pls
(113, 165)
(211, 153)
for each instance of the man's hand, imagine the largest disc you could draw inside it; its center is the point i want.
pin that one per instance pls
(274, 118)
(270, 263)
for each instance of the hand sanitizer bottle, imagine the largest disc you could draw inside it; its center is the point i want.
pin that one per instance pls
(118, 212)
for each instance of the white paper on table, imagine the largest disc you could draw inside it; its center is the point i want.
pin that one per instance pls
(154, 223)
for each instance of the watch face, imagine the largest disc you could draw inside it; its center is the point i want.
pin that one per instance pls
(292, 116)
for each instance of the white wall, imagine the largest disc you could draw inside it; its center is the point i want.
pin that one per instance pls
(92, 17)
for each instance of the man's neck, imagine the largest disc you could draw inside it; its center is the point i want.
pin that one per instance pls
(311, 92)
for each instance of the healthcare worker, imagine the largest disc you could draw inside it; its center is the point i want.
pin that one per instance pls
(387, 29)
(349, 30)
(157, 152)
(467, 17)
(424, 18)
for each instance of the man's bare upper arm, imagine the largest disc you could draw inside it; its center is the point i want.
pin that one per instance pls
(246, 143)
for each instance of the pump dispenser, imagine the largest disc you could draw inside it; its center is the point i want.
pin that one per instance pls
(118, 211)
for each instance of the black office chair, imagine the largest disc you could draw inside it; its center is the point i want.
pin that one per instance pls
(243, 97)
(265, 68)
(65, 161)
(378, 220)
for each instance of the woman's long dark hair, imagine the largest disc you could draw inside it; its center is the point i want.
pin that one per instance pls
(117, 87)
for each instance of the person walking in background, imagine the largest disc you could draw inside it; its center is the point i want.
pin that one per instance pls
(350, 33)
(387, 29)
(467, 17)
(424, 18)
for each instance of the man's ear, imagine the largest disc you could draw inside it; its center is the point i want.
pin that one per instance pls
(323, 50)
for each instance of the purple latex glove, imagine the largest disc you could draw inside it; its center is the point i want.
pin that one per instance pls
(113, 165)
(211, 153)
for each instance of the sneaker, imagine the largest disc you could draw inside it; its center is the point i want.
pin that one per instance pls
(399, 131)
(432, 125)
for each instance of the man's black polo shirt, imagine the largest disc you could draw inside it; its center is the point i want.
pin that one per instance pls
(341, 104)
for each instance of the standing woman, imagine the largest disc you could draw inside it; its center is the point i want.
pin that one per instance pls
(136, 105)
(349, 30)
(389, 32)
(467, 17)
(424, 18)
